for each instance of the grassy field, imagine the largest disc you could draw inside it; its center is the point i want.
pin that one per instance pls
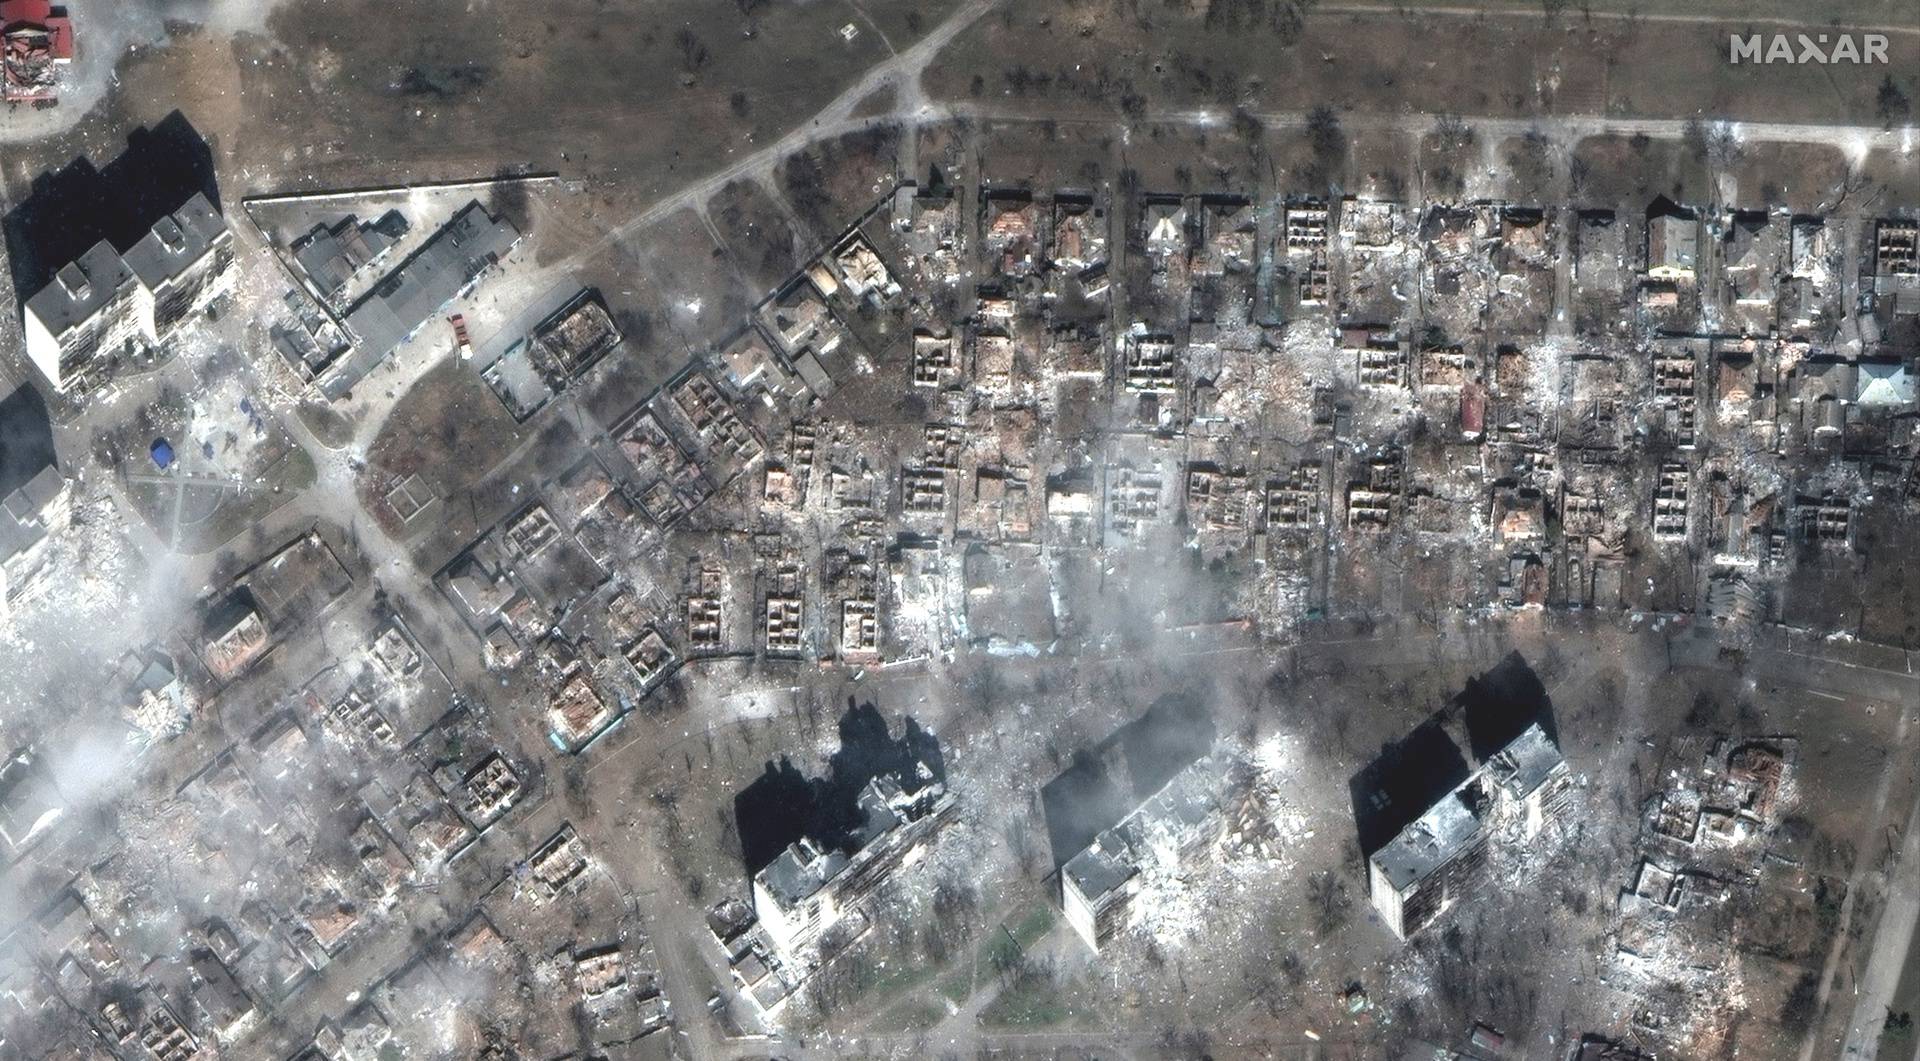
(1897, 1037)
(1090, 59)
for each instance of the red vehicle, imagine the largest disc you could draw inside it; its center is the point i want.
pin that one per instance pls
(460, 340)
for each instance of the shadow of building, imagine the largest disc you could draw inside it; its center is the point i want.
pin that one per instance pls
(783, 805)
(71, 209)
(26, 438)
(1410, 775)
(1499, 705)
(1104, 783)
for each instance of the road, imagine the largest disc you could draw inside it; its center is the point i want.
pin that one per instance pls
(900, 72)
(1891, 940)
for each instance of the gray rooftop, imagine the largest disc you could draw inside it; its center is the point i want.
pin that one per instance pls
(802, 869)
(21, 525)
(1433, 840)
(1884, 383)
(331, 255)
(176, 242)
(1526, 763)
(79, 289)
(1188, 799)
(1673, 241)
(436, 274)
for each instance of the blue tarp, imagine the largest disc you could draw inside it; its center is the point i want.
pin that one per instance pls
(162, 453)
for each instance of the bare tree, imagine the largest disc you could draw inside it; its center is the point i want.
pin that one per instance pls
(693, 51)
(1327, 897)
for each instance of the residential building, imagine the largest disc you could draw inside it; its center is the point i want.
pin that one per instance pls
(185, 262)
(1435, 860)
(34, 499)
(94, 310)
(1168, 832)
(29, 516)
(105, 304)
(813, 885)
(1673, 241)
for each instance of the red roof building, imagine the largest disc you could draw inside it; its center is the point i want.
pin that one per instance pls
(36, 39)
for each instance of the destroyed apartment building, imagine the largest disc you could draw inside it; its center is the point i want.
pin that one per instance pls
(108, 304)
(1168, 834)
(803, 896)
(1437, 859)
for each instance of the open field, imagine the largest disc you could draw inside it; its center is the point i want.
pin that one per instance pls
(1090, 58)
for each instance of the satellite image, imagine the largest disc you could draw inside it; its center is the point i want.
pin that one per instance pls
(964, 530)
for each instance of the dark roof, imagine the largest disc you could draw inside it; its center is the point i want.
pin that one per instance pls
(80, 288)
(176, 242)
(331, 255)
(433, 277)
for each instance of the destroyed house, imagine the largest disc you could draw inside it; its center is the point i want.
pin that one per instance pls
(1896, 247)
(810, 886)
(36, 40)
(435, 275)
(1170, 830)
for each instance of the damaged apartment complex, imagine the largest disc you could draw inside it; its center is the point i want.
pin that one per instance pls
(110, 305)
(1437, 859)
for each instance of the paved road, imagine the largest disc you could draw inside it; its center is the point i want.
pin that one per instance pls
(1891, 940)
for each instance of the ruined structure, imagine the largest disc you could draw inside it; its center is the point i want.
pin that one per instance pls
(1169, 833)
(812, 887)
(105, 303)
(1435, 861)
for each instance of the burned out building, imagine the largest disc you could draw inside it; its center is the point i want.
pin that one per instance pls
(1435, 861)
(106, 303)
(813, 886)
(1165, 835)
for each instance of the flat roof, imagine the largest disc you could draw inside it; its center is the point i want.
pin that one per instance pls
(1526, 763)
(1433, 840)
(1115, 856)
(20, 525)
(176, 242)
(81, 288)
(435, 275)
